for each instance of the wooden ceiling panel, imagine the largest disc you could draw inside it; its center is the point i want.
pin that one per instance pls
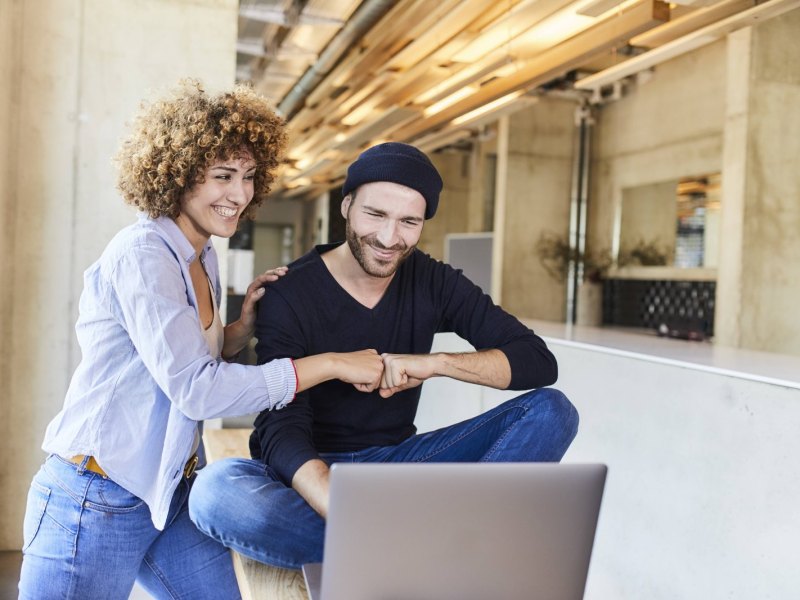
(420, 68)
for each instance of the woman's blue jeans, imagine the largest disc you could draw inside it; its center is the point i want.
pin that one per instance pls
(245, 506)
(86, 537)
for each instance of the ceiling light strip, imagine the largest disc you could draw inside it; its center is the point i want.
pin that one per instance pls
(560, 59)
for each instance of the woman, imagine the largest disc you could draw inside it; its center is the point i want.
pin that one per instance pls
(108, 507)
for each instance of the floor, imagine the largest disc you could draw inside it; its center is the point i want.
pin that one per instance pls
(9, 577)
(9, 573)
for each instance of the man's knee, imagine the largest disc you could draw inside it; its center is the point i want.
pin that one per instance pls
(215, 491)
(553, 405)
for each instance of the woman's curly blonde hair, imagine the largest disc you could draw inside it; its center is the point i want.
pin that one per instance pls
(174, 140)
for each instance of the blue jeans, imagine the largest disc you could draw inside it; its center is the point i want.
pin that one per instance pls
(86, 537)
(245, 506)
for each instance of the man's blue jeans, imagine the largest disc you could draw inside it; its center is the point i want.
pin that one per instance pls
(86, 537)
(245, 506)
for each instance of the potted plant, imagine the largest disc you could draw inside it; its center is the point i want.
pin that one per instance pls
(556, 255)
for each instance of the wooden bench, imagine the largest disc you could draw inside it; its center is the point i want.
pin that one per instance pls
(257, 581)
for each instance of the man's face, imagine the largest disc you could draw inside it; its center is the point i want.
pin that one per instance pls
(384, 223)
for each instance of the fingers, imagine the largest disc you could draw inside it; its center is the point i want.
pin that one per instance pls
(267, 277)
(387, 373)
(256, 290)
(253, 295)
(394, 371)
(392, 378)
(391, 391)
(273, 274)
(387, 392)
(366, 369)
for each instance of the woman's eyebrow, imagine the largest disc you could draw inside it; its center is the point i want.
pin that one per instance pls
(232, 169)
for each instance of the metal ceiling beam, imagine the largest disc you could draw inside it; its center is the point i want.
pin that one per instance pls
(255, 47)
(277, 16)
(363, 19)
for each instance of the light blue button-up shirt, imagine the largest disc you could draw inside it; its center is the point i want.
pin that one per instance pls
(146, 376)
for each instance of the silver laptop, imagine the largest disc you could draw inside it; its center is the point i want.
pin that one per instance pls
(466, 531)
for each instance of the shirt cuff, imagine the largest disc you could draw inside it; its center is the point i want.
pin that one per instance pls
(279, 375)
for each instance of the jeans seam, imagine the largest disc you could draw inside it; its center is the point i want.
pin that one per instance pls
(52, 520)
(266, 557)
(74, 556)
(160, 576)
(502, 437)
(470, 432)
(112, 510)
(88, 503)
(236, 544)
(80, 499)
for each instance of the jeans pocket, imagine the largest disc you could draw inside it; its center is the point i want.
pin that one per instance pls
(38, 497)
(106, 496)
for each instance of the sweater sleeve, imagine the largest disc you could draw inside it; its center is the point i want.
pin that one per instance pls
(470, 313)
(282, 438)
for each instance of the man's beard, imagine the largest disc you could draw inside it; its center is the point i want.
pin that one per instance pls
(371, 265)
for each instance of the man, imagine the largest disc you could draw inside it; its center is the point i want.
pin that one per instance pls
(376, 291)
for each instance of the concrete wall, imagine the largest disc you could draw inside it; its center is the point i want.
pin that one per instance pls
(723, 108)
(453, 214)
(9, 77)
(290, 212)
(71, 73)
(664, 129)
(759, 275)
(648, 216)
(538, 184)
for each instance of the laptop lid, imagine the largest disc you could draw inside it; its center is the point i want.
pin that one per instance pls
(463, 531)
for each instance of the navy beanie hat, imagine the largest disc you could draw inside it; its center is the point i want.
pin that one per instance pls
(397, 163)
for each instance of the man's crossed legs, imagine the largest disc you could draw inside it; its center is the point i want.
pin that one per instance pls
(245, 506)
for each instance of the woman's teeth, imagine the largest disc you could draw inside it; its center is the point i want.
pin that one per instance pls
(224, 211)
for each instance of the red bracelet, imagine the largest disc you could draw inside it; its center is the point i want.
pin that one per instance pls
(296, 380)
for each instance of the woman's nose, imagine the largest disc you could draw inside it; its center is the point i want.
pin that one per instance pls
(238, 193)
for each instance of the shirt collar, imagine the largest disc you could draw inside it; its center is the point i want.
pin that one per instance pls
(176, 236)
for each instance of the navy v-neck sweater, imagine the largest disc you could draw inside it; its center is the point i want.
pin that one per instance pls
(307, 312)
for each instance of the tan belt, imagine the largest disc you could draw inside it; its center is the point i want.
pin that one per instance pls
(91, 465)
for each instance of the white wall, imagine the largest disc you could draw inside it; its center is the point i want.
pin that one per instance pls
(701, 500)
(702, 490)
(71, 73)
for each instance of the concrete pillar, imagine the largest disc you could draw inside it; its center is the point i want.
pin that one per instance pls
(499, 208)
(71, 74)
(759, 268)
(9, 76)
(452, 215)
(539, 175)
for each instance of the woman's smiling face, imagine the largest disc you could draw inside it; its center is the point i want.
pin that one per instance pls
(214, 206)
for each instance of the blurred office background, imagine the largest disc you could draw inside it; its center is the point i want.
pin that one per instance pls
(622, 175)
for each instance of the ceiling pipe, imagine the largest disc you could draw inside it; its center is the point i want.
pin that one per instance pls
(584, 123)
(364, 18)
